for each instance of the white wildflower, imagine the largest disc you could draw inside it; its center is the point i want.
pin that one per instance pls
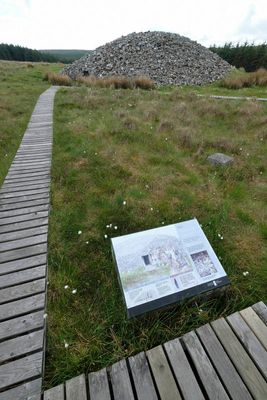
(45, 315)
(79, 232)
(66, 286)
(74, 291)
(66, 344)
(124, 202)
(115, 227)
(105, 236)
(162, 223)
(245, 273)
(151, 208)
(87, 242)
(107, 226)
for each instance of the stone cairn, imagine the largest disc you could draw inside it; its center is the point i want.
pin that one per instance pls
(167, 58)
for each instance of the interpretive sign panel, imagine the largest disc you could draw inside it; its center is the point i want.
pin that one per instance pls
(162, 266)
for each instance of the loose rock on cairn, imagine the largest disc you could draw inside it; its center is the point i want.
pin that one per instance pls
(167, 58)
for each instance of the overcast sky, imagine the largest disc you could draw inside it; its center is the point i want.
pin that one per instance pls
(87, 24)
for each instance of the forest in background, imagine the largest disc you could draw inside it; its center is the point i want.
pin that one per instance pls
(247, 55)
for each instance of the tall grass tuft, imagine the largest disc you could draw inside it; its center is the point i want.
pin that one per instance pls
(57, 79)
(117, 82)
(257, 78)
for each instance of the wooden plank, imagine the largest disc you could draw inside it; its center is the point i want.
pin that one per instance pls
(21, 345)
(16, 244)
(19, 265)
(120, 380)
(56, 393)
(143, 381)
(182, 370)
(20, 291)
(33, 223)
(164, 379)
(23, 217)
(76, 388)
(225, 369)
(24, 210)
(12, 189)
(5, 237)
(22, 324)
(24, 306)
(26, 391)
(27, 177)
(23, 253)
(23, 193)
(256, 324)
(243, 363)
(4, 202)
(44, 200)
(205, 370)
(98, 385)
(250, 341)
(261, 309)
(20, 370)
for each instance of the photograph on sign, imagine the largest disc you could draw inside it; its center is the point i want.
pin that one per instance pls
(164, 265)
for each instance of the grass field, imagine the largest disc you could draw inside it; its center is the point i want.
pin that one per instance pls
(21, 84)
(147, 148)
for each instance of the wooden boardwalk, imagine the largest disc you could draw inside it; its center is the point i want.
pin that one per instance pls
(24, 208)
(226, 359)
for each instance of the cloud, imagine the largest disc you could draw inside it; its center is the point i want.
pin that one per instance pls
(253, 27)
(45, 24)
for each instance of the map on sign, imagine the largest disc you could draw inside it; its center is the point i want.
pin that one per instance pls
(162, 266)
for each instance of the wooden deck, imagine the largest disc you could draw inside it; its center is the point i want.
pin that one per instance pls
(226, 359)
(24, 208)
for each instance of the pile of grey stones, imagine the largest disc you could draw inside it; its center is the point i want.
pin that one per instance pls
(167, 58)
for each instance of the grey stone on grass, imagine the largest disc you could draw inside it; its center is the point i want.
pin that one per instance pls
(220, 159)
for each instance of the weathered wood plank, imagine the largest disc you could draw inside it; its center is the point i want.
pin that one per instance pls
(16, 244)
(26, 391)
(23, 290)
(23, 193)
(24, 183)
(143, 381)
(21, 345)
(56, 393)
(120, 380)
(98, 385)
(250, 341)
(256, 324)
(6, 202)
(25, 210)
(22, 324)
(13, 189)
(43, 200)
(228, 374)
(23, 253)
(5, 237)
(29, 176)
(241, 360)
(24, 306)
(164, 379)
(18, 265)
(183, 372)
(76, 388)
(23, 217)
(261, 309)
(33, 223)
(20, 370)
(206, 372)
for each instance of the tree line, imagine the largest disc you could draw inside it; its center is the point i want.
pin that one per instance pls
(248, 56)
(19, 53)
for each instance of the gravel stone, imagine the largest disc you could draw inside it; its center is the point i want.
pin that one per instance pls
(167, 58)
(220, 159)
